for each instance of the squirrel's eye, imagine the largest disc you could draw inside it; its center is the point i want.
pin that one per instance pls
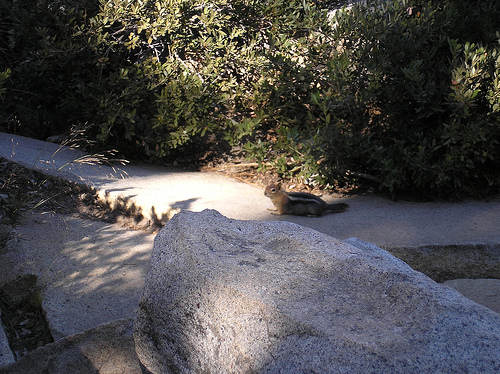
(273, 190)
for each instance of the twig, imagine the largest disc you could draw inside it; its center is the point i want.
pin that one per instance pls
(364, 176)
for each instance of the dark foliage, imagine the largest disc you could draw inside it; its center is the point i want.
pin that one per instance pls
(404, 93)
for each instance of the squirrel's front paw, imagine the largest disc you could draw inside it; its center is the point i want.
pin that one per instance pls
(275, 212)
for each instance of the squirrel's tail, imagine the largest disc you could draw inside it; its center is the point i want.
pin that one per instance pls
(338, 207)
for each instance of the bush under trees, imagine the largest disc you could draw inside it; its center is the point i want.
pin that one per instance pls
(403, 93)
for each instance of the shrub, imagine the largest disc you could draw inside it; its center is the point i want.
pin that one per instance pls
(39, 45)
(404, 93)
(146, 77)
(389, 94)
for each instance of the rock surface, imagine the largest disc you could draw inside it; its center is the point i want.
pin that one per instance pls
(6, 355)
(105, 349)
(224, 296)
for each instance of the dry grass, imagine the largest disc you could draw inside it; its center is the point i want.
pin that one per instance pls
(24, 190)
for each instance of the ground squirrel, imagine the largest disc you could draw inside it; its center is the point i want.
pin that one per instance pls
(299, 203)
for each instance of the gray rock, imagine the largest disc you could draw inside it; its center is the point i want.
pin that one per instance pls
(105, 349)
(6, 355)
(230, 296)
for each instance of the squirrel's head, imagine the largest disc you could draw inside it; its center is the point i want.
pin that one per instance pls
(272, 189)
